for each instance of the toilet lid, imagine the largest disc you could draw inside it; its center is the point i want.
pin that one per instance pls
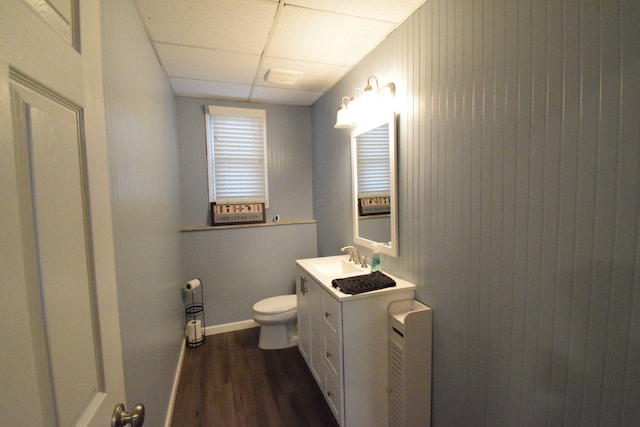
(274, 305)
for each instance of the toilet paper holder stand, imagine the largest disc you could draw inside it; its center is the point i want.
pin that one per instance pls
(194, 315)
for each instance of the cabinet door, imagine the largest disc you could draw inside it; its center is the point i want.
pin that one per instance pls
(304, 332)
(317, 346)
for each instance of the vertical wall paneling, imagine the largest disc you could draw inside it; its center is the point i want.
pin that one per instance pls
(143, 168)
(627, 248)
(250, 264)
(586, 188)
(483, 85)
(242, 266)
(519, 152)
(493, 161)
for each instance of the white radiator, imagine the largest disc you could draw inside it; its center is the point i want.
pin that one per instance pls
(409, 364)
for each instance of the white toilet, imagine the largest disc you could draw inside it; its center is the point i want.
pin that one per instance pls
(277, 317)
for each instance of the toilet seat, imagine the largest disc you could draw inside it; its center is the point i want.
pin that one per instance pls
(276, 305)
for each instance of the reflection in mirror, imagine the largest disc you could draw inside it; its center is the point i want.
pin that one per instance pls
(373, 151)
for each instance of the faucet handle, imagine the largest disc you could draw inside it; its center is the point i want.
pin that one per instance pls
(364, 262)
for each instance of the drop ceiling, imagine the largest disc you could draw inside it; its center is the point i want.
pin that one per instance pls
(224, 48)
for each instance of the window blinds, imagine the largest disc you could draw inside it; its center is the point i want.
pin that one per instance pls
(373, 163)
(237, 155)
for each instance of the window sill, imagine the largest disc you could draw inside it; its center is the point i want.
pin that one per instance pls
(227, 227)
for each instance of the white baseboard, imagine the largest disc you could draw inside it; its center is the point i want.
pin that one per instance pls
(230, 327)
(174, 389)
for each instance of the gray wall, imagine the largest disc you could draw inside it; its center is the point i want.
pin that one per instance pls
(140, 117)
(519, 148)
(241, 266)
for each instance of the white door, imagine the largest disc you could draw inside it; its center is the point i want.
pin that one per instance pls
(61, 361)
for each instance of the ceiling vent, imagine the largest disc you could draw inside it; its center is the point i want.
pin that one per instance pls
(282, 76)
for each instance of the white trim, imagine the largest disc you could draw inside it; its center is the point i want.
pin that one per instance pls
(207, 121)
(385, 248)
(239, 111)
(231, 327)
(174, 389)
(236, 113)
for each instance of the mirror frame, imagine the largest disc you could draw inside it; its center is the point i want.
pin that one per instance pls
(382, 119)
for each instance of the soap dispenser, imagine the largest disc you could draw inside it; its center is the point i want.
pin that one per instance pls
(375, 258)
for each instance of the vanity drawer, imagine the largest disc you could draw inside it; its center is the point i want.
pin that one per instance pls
(333, 355)
(333, 395)
(332, 317)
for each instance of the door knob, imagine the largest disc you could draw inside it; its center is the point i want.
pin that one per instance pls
(121, 418)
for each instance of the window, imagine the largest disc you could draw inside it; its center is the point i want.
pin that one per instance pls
(237, 155)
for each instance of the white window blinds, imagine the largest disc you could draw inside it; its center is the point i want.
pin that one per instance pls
(237, 152)
(373, 163)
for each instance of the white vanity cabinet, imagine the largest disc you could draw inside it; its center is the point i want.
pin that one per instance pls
(304, 313)
(343, 339)
(309, 329)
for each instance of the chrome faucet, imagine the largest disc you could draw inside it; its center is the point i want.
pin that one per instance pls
(354, 255)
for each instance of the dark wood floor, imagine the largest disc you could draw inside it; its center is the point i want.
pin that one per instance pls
(228, 381)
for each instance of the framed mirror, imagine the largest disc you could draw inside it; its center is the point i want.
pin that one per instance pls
(373, 156)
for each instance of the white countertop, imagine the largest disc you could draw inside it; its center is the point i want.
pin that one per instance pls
(324, 279)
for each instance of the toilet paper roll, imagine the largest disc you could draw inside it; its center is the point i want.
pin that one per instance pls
(194, 331)
(192, 285)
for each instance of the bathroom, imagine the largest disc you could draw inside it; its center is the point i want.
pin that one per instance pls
(525, 248)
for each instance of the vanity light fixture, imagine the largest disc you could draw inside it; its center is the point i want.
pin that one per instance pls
(369, 93)
(350, 111)
(343, 119)
(355, 104)
(388, 89)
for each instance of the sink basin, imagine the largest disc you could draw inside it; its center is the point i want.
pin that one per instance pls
(336, 267)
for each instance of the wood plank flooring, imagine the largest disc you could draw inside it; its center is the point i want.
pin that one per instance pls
(228, 381)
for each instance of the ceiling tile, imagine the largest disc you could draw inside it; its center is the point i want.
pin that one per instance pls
(205, 89)
(223, 48)
(323, 37)
(207, 64)
(238, 25)
(384, 10)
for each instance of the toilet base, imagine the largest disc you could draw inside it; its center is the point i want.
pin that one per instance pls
(274, 337)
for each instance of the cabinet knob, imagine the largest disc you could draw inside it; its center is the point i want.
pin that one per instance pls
(329, 355)
(327, 315)
(330, 393)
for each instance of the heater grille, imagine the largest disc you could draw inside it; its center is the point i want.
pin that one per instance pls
(396, 384)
